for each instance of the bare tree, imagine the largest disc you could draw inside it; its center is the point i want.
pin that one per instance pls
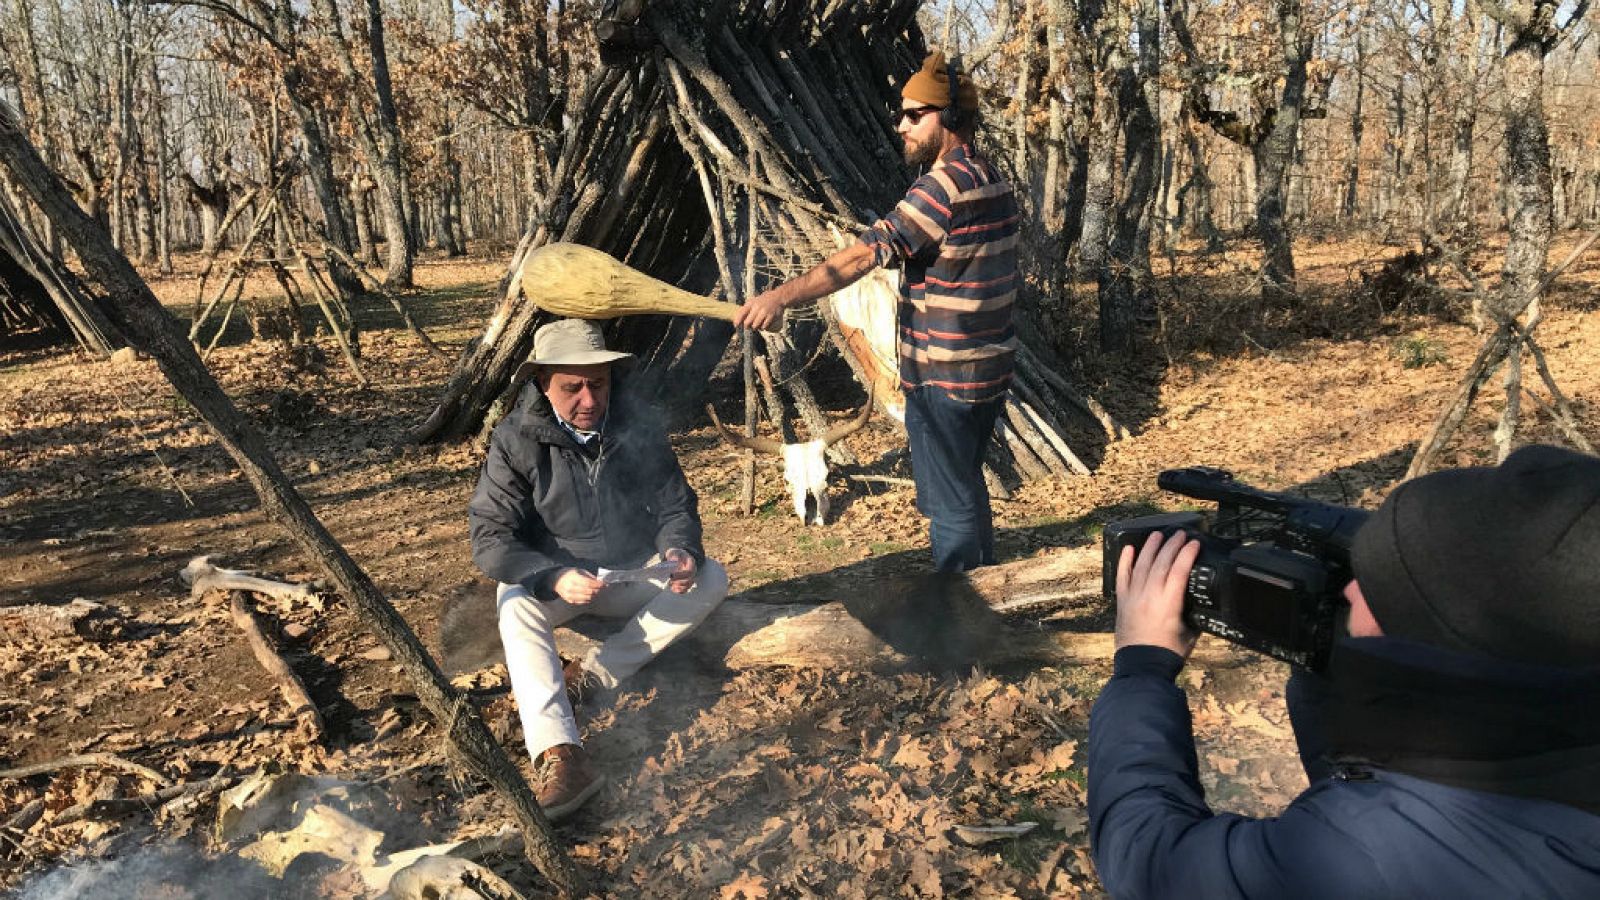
(1533, 31)
(1125, 278)
(1269, 128)
(379, 135)
(277, 28)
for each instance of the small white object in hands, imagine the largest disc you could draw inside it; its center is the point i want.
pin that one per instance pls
(658, 572)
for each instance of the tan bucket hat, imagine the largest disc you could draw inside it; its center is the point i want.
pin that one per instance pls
(572, 342)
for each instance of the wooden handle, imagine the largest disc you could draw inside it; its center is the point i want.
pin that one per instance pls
(584, 283)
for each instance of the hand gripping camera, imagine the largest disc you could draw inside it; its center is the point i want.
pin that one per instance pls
(1271, 567)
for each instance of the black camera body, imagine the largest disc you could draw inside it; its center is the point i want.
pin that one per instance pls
(1271, 568)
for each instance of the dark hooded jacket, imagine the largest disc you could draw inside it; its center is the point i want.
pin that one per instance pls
(544, 503)
(1362, 828)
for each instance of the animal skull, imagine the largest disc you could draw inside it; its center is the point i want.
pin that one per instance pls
(805, 466)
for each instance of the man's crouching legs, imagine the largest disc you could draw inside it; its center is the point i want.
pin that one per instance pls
(659, 617)
(527, 629)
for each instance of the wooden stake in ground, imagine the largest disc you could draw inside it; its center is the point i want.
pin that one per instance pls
(133, 308)
(1504, 346)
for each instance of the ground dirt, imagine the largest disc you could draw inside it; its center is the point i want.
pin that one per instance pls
(756, 784)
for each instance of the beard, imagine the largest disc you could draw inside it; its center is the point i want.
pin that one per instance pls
(921, 153)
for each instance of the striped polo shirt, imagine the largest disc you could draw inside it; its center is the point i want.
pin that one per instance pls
(955, 238)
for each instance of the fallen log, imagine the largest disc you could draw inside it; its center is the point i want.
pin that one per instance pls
(1068, 576)
(38, 621)
(919, 632)
(885, 622)
(25, 817)
(289, 684)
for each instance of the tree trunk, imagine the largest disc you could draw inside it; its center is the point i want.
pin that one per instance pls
(1274, 153)
(401, 249)
(1458, 208)
(361, 213)
(212, 203)
(1055, 139)
(158, 125)
(1196, 196)
(319, 166)
(1099, 190)
(452, 237)
(1105, 55)
(136, 310)
(1075, 203)
(1352, 172)
(1126, 274)
(1396, 191)
(1527, 175)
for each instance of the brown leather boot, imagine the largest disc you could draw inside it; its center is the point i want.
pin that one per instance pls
(564, 780)
(582, 685)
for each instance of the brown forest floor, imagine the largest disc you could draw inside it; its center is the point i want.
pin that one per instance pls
(757, 784)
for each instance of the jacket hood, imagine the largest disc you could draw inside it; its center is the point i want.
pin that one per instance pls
(1466, 719)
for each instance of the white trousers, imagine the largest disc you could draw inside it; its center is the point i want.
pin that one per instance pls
(656, 617)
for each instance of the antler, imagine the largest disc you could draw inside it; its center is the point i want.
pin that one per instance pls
(840, 432)
(759, 444)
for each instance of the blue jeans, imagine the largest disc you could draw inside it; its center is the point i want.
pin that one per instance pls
(948, 441)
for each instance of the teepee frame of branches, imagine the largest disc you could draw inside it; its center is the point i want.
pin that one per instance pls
(723, 147)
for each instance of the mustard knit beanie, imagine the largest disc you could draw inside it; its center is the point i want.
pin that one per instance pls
(931, 85)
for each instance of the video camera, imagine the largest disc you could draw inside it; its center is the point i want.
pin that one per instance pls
(1271, 567)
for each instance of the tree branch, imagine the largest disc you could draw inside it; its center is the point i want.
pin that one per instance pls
(226, 11)
(1576, 17)
(1502, 14)
(998, 35)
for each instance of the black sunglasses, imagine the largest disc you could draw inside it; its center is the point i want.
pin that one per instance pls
(916, 113)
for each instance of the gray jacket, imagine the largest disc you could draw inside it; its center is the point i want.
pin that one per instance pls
(544, 503)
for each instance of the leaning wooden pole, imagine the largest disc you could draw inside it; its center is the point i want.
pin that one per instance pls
(135, 310)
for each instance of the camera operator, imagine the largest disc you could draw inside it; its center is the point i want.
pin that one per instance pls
(1453, 744)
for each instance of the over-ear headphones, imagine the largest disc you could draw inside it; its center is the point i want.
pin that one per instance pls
(950, 116)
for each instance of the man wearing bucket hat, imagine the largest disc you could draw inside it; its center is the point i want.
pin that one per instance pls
(954, 237)
(582, 508)
(1452, 747)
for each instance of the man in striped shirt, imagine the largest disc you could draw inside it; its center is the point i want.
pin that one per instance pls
(954, 235)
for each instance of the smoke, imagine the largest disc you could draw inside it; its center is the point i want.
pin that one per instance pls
(171, 872)
(320, 832)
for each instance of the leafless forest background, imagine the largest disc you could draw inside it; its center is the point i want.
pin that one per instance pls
(1292, 237)
(1135, 126)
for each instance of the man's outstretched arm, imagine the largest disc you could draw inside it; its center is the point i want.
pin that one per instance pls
(839, 271)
